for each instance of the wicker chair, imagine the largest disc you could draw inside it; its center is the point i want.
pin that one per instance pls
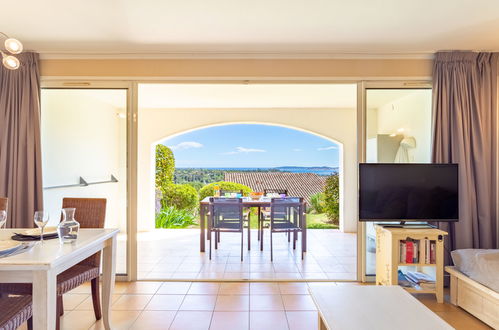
(90, 213)
(15, 311)
(4, 203)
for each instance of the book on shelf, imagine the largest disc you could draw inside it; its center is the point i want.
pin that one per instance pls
(416, 280)
(417, 251)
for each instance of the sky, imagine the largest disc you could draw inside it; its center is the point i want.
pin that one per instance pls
(251, 145)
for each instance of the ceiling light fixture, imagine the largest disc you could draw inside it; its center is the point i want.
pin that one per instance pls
(12, 47)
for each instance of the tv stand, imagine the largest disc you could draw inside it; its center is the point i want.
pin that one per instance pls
(404, 224)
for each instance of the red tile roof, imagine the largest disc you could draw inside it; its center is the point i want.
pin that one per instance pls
(298, 184)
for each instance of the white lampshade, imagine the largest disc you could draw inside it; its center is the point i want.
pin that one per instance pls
(10, 62)
(13, 46)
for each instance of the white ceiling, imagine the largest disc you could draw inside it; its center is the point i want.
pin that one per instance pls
(252, 27)
(217, 96)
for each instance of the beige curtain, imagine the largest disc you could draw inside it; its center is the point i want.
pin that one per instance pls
(20, 156)
(465, 132)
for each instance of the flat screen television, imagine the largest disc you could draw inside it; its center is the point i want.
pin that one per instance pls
(408, 192)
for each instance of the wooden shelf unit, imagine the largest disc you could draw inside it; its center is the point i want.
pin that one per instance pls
(388, 256)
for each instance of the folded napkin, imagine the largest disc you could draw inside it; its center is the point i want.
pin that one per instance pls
(24, 237)
(24, 247)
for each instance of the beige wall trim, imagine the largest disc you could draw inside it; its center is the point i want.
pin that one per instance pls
(232, 68)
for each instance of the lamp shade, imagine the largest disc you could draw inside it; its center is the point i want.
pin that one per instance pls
(13, 46)
(10, 62)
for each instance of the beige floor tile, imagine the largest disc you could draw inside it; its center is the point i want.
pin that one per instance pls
(264, 288)
(229, 303)
(430, 301)
(120, 287)
(84, 288)
(170, 302)
(234, 288)
(204, 288)
(70, 301)
(143, 287)
(190, 320)
(174, 288)
(230, 321)
(266, 303)
(293, 288)
(121, 320)
(302, 320)
(88, 304)
(154, 320)
(298, 302)
(77, 320)
(131, 302)
(268, 320)
(199, 303)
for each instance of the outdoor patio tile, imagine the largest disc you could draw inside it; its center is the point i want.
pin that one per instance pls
(342, 276)
(185, 276)
(288, 276)
(262, 276)
(210, 275)
(161, 302)
(228, 303)
(204, 288)
(174, 288)
(199, 303)
(298, 302)
(302, 320)
(268, 320)
(314, 276)
(230, 321)
(236, 276)
(154, 320)
(266, 303)
(158, 276)
(237, 268)
(333, 268)
(166, 268)
(189, 268)
(234, 288)
(191, 320)
(285, 268)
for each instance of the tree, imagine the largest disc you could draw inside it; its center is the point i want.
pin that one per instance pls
(165, 167)
(332, 198)
(209, 189)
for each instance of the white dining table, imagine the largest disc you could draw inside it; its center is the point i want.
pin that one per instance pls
(41, 265)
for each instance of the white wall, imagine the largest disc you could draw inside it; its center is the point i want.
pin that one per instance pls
(337, 124)
(83, 136)
(412, 113)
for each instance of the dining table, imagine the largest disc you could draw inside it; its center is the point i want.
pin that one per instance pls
(262, 202)
(41, 264)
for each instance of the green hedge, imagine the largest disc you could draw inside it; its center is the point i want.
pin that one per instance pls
(209, 190)
(332, 198)
(165, 166)
(180, 196)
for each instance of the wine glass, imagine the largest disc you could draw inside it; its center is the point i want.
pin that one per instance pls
(41, 220)
(3, 218)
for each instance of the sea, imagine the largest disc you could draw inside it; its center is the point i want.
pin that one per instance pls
(325, 171)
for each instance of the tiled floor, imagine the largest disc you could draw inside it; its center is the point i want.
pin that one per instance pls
(174, 254)
(205, 305)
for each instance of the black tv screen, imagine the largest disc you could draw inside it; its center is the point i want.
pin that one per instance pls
(408, 192)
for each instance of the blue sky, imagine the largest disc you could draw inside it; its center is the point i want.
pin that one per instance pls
(251, 145)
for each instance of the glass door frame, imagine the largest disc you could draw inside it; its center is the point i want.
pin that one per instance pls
(131, 141)
(361, 143)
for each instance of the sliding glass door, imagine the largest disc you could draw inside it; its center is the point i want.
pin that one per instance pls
(84, 153)
(398, 130)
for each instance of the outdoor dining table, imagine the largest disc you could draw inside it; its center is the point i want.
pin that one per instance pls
(262, 202)
(45, 260)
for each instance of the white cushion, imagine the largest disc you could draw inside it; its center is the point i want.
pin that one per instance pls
(480, 265)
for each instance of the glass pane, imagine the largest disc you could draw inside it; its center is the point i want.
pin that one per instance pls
(398, 125)
(84, 139)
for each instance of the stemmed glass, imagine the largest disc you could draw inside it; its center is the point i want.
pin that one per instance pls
(41, 220)
(3, 218)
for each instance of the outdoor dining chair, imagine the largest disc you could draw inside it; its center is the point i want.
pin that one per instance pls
(226, 215)
(286, 215)
(264, 215)
(246, 213)
(90, 213)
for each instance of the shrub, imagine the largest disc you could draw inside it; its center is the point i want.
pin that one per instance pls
(322, 226)
(209, 190)
(317, 202)
(332, 198)
(165, 166)
(180, 196)
(170, 217)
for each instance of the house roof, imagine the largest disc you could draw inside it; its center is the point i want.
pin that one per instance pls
(298, 184)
